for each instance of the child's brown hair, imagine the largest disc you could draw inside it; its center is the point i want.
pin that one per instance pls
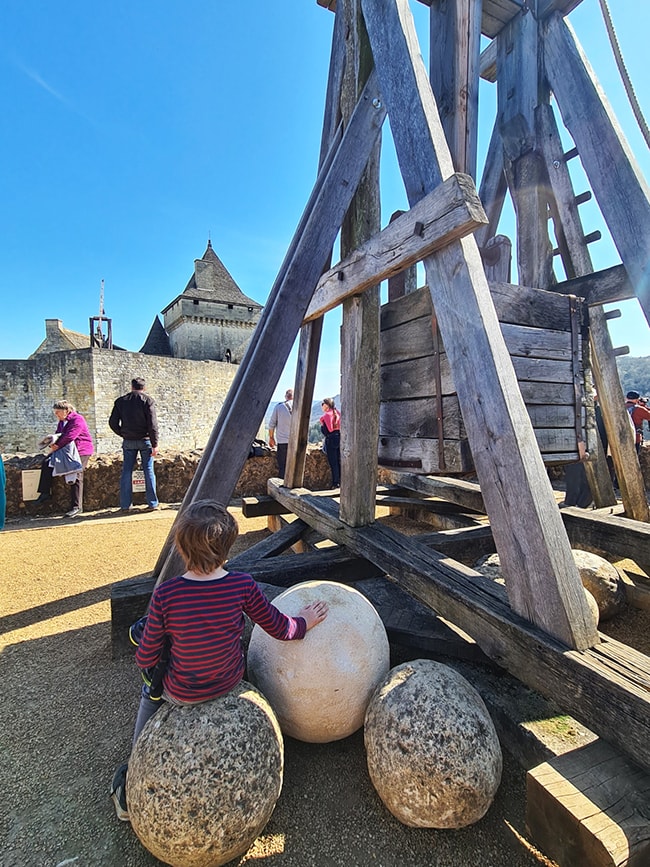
(204, 535)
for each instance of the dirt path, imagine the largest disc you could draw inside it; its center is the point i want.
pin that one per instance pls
(68, 710)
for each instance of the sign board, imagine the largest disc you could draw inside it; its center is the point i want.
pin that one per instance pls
(137, 482)
(30, 484)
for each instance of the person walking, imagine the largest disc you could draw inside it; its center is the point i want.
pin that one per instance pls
(134, 420)
(70, 449)
(279, 428)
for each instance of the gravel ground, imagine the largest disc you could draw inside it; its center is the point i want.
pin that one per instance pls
(68, 711)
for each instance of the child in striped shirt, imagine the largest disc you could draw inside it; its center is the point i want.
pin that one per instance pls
(201, 615)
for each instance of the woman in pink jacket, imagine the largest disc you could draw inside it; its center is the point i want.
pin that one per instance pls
(330, 425)
(71, 428)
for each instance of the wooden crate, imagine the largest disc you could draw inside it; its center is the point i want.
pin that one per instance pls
(421, 427)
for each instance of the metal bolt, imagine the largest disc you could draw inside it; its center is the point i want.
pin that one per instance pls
(376, 103)
(556, 164)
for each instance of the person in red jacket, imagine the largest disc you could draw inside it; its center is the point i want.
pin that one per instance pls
(71, 428)
(638, 413)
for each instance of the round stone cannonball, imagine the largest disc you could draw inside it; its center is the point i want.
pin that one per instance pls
(603, 580)
(433, 753)
(203, 779)
(320, 686)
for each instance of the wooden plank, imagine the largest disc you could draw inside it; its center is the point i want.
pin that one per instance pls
(590, 806)
(607, 688)
(467, 494)
(619, 537)
(623, 196)
(496, 255)
(273, 545)
(255, 507)
(488, 62)
(537, 342)
(415, 378)
(418, 418)
(253, 386)
(303, 396)
(422, 454)
(548, 7)
(448, 212)
(536, 308)
(542, 370)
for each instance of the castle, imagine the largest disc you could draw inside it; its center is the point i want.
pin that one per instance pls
(188, 362)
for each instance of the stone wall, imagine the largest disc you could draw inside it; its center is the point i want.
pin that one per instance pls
(174, 472)
(189, 395)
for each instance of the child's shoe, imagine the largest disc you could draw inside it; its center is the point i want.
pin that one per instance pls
(118, 793)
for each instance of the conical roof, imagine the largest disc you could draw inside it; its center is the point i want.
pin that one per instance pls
(157, 342)
(212, 281)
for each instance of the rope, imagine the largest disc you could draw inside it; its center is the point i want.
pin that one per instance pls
(620, 63)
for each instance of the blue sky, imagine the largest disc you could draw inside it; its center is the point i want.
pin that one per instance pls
(133, 131)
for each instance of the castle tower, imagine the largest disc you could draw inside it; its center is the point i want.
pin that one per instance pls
(212, 320)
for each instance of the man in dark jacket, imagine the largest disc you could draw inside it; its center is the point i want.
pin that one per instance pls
(134, 419)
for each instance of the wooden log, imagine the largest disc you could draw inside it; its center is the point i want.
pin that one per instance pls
(590, 806)
(607, 688)
(488, 62)
(623, 196)
(255, 507)
(129, 601)
(248, 398)
(450, 211)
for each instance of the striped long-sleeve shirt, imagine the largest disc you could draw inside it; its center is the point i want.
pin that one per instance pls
(204, 620)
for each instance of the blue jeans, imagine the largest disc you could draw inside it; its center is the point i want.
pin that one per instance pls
(130, 451)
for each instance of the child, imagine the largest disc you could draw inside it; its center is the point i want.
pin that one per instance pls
(200, 614)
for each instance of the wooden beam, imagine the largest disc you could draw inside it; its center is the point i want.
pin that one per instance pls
(488, 62)
(494, 186)
(455, 36)
(623, 196)
(602, 287)
(252, 389)
(590, 806)
(548, 7)
(607, 688)
(449, 212)
(541, 576)
(360, 317)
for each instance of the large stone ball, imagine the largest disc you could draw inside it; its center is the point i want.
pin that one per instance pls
(320, 687)
(203, 779)
(603, 580)
(433, 753)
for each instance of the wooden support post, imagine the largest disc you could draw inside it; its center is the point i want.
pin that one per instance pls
(579, 263)
(518, 95)
(360, 326)
(623, 196)
(311, 333)
(493, 188)
(252, 389)
(541, 576)
(454, 62)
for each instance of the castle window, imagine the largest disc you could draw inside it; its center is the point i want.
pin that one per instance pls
(194, 301)
(230, 307)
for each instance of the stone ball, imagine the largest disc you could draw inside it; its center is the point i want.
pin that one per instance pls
(203, 779)
(433, 753)
(319, 687)
(603, 580)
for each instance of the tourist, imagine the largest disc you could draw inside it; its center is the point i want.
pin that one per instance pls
(330, 425)
(134, 419)
(279, 429)
(70, 448)
(208, 660)
(638, 413)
